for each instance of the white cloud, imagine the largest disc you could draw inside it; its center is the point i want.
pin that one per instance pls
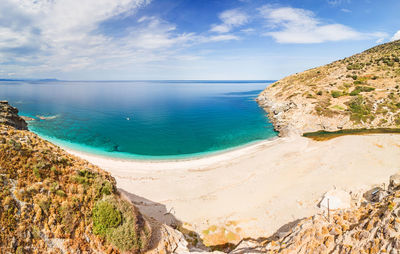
(58, 34)
(380, 40)
(396, 36)
(230, 19)
(338, 2)
(61, 36)
(222, 37)
(345, 10)
(293, 25)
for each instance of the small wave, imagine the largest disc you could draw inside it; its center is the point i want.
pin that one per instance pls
(47, 117)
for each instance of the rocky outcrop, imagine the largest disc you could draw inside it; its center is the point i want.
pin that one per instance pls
(361, 91)
(371, 227)
(9, 116)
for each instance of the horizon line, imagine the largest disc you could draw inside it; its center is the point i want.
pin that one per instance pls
(140, 80)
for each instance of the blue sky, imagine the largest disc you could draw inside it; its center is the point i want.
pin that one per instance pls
(186, 39)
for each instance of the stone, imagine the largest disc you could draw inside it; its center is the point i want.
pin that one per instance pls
(374, 195)
(337, 199)
(394, 182)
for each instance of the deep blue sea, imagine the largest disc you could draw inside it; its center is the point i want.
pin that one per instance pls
(143, 119)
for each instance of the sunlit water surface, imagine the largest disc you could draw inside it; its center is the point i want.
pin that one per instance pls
(143, 120)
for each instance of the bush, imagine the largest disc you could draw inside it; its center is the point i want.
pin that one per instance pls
(105, 217)
(355, 92)
(360, 89)
(36, 172)
(356, 66)
(336, 94)
(102, 187)
(60, 193)
(360, 109)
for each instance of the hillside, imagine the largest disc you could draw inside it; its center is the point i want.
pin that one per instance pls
(52, 202)
(361, 91)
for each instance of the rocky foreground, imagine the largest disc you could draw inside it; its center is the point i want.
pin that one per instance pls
(372, 227)
(361, 91)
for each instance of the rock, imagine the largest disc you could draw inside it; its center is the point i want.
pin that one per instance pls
(394, 183)
(27, 118)
(9, 116)
(338, 199)
(374, 195)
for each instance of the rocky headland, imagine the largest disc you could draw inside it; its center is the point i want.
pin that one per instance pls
(9, 116)
(361, 91)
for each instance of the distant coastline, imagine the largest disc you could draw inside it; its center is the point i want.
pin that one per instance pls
(141, 80)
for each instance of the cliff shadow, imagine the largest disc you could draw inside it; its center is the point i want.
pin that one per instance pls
(157, 214)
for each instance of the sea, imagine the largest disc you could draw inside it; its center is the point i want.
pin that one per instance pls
(147, 120)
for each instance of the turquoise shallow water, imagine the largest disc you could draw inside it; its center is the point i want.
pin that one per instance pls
(143, 119)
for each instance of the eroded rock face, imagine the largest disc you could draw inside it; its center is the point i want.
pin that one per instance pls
(9, 116)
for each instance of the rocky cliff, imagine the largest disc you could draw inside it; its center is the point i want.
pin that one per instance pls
(361, 91)
(9, 116)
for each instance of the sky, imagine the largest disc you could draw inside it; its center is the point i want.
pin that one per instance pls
(186, 39)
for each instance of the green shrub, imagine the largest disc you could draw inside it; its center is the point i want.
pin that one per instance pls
(60, 193)
(107, 188)
(356, 66)
(105, 217)
(36, 172)
(355, 92)
(365, 88)
(44, 205)
(84, 177)
(319, 93)
(360, 109)
(102, 187)
(336, 94)
(360, 89)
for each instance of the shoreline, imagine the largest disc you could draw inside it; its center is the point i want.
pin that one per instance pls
(67, 145)
(199, 161)
(253, 191)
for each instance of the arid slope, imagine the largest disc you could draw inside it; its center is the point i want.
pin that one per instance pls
(361, 91)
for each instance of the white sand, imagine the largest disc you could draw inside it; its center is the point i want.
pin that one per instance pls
(259, 187)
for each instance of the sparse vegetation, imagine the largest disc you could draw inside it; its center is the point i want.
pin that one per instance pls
(60, 196)
(336, 94)
(373, 75)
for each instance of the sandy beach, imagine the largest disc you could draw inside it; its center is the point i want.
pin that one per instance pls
(254, 190)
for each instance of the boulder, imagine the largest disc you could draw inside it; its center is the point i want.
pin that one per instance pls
(338, 199)
(374, 195)
(394, 183)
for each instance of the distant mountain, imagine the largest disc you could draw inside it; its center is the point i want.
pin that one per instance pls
(361, 91)
(44, 80)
